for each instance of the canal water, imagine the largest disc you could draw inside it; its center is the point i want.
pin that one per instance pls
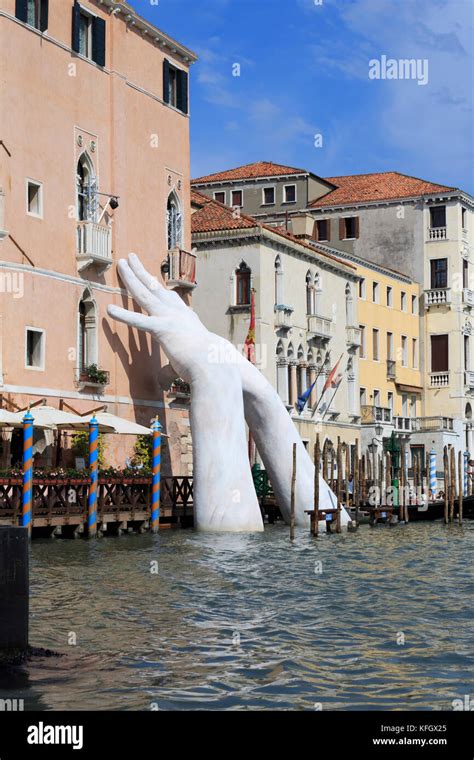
(380, 619)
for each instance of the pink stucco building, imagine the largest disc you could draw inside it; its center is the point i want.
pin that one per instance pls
(94, 163)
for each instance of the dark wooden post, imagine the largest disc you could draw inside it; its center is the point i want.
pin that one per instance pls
(356, 481)
(317, 462)
(453, 485)
(446, 485)
(461, 484)
(293, 496)
(14, 590)
(339, 485)
(347, 474)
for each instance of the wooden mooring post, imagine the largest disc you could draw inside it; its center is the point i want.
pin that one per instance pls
(317, 464)
(446, 485)
(339, 485)
(293, 496)
(461, 485)
(355, 481)
(452, 495)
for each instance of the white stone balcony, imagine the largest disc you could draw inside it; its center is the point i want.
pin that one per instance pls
(432, 424)
(437, 233)
(320, 327)
(469, 379)
(404, 424)
(182, 269)
(94, 245)
(468, 297)
(437, 297)
(353, 337)
(439, 379)
(283, 317)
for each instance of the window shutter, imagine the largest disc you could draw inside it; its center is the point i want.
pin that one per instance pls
(76, 23)
(166, 81)
(182, 91)
(356, 226)
(439, 353)
(44, 15)
(98, 41)
(21, 10)
(315, 231)
(328, 229)
(341, 229)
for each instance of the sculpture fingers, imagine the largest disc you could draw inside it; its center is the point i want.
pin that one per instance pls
(169, 297)
(140, 293)
(131, 318)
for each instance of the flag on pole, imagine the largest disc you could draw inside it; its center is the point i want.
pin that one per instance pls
(249, 345)
(334, 380)
(334, 385)
(303, 399)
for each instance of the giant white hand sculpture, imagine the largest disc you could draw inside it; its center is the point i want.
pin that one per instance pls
(272, 428)
(224, 494)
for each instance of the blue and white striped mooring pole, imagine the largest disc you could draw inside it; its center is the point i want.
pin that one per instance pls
(433, 479)
(465, 489)
(27, 500)
(156, 482)
(94, 477)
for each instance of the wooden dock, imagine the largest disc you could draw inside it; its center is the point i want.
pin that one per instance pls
(124, 504)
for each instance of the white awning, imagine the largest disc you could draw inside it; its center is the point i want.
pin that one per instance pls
(118, 424)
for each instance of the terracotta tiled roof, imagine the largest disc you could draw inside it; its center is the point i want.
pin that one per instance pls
(250, 171)
(359, 188)
(213, 216)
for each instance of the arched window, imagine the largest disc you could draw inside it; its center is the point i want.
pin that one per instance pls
(309, 294)
(174, 220)
(242, 284)
(279, 298)
(86, 183)
(87, 338)
(317, 293)
(349, 306)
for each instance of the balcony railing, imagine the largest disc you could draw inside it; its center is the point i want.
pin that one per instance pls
(469, 378)
(437, 233)
(353, 337)
(437, 297)
(431, 424)
(283, 317)
(182, 272)
(391, 369)
(372, 414)
(468, 297)
(439, 379)
(320, 327)
(404, 424)
(94, 244)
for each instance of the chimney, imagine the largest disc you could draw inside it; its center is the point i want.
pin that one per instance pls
(302, 226)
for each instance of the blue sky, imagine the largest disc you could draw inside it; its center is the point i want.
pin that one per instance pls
(304, 72)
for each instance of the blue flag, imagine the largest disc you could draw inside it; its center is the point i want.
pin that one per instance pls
(302, 400)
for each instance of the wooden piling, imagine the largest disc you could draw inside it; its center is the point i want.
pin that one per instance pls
(293, 496)
(363, 480)
(461, 485)
(446, 485)
(453, 485)
(355, 481)
(317, 462)
(339, 485)
(348, 474)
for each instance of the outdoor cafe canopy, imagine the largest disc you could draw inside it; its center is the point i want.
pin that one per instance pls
(49, 418)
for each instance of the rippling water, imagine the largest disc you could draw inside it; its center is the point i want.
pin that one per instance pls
(171, 640)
